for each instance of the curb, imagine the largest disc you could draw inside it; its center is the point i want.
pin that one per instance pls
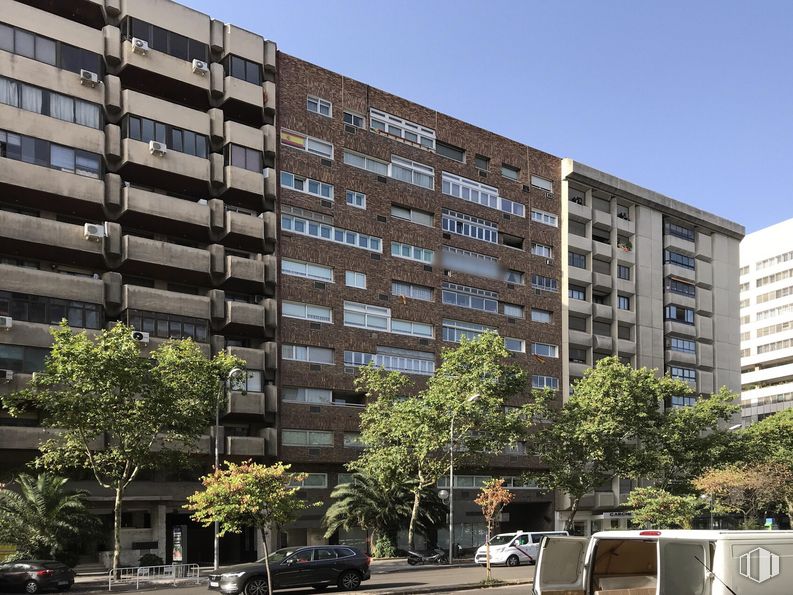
(443, 588)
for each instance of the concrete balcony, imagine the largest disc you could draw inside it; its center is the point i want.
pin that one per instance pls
(577, 369)
(258, 359)
(626, 316)
(602, 282)
(578, 276)
(245, 99)
(35, 238)
(704, 247)
(67, 287)
(683, 273)
(579, 338)
(19, 382)
(602, 343)
(624, 286)
(581, 307)
(626, 347)
(678, 244)
(172, 171)
(32, 19)
(601, 219)
(23, 438)
(246, 446)
(680, 357)
(172, 214)
(243, 318)
(705, 383)
(143, 256)
(602, 251)
(624, 256)
(602, 312)
(605, 500)
(579, 244)
(679, 328)
(253, 404)
(626, 226)
(38, 186)
(704, 327)
(678, 299)
(247, 229)
(30, 334)
(243, 184)
(163, 111)
(579, 212)
(244, 273)
(147, 299)
(704, 302)
(705, 357)
(41, 126)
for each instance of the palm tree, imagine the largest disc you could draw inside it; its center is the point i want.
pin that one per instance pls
(379, 508)
(44, 519)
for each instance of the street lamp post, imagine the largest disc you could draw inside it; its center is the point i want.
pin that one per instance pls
(221, 389)
(470, 399)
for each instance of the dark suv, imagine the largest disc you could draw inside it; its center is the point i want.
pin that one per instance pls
(33, 576)
(317, 566)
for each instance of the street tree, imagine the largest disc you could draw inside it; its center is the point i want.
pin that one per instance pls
(615, 423)
(44, 519)
(660, 509)
(249, 495)
(492, 498)
(737, 488)
(114, 412)
(409, 436)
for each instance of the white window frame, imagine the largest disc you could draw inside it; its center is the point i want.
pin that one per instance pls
(543, 313)
(307, 142)
(369, 163)
(308, 267)
(400, 363)
(541, 250)
(411, 212)
(367, 311)
(308, 349)
(517, 311)
(513, 170)
(410, 287)
(320, 102)
(307, 434)
(545, 350)
(541, 381)
(478, 193)
(306, 394)
(541, 183)
(356, 278)
(521, 343)
(358, 199)
(488, 298)
(347, 112)
(391, 123)
(329, 233)
(311, 312)
(545, 218)
(460, 328)
(510, 273)
(412, 328)
(307, 182)
(467, 226)
(423, 252)
(416, 170)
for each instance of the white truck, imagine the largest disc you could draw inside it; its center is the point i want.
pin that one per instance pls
(667, 563)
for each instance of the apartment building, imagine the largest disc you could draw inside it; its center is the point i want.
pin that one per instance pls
(766, 322)
(653, 281)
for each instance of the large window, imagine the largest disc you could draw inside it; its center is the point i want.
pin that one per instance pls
(478, 193)
(305, 311)
(296, 140)
(623, 302)
(680, 287)
(544, 218)
(409, 252)
(176, 139)
(544, 316)
(25, 307)
(674, 229)
(22, 359)
(544, 283)
(686, 374)
(401, 128)
(320, 106)
(49, 103)
(41, 152)
(299, 268)
(682, 260)
(574, 259)
(682, 345)
(56, 53)
(470, 297)
(450, 151)
(307, 353)
(164, 41)
(515, 345)
(472, 227)
(243, 157)
(410, 290)
(679, 314)
(306, 438)
(307, 395)
(412, 172)
(540, 381)
(366, 316)
(454, 330)
(513, 310)
(624, 272)
(365, 162)
(541, 250)
(411, 214)
(356, 199)
(414, 329)
(545, 350)
(169, 326)
(510, 172)
(242, 69)
(576, 292)
(329, 233)
(542, 183)
(355, 279)
(393, 359)
(307, 185)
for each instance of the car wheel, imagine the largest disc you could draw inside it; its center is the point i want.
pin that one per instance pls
(350, 581)
(513, 560)
(256, 586)
(31, 587)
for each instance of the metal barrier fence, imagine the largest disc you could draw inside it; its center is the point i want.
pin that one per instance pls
(152, 574)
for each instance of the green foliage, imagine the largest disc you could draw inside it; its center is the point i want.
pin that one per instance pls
(150, 560)
(408, 436)
(492, 498)
(770, 439)
(661, 510)
(384, 547)
(44, 519)
(116, 412)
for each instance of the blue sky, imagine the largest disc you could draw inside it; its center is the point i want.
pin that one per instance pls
(693, 99)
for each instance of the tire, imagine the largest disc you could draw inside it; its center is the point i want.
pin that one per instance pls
(350, 581)
(513, 560)
(256, 586)
(412, 561)
(31, 587)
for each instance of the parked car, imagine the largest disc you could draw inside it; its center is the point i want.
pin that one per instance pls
(33, 576)
(512, 549)
(317, 566)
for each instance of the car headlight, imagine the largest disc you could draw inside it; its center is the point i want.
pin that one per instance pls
(232, 574)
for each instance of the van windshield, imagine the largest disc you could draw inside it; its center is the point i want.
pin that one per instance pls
(502, 539)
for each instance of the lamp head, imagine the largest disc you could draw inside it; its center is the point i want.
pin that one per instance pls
(443, 495)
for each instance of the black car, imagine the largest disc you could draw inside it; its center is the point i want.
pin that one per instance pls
(317, 566)
(33, 576)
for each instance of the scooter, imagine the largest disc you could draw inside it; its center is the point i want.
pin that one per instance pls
(437, 556)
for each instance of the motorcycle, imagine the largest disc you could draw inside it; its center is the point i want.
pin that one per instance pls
(436, 556)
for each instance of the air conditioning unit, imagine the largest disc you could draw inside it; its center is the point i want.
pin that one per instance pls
(549, 195)
(548, 261)
(6, 322)
(93, 232)
(200, 67)
(140, 46)
(157, 148)
(6, 375)
(88, 78)
(141, 337)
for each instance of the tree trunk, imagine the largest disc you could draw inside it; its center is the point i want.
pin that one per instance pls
(487, 549)
(573, 510)
(117, 524)
(266, 560)
(414, 515)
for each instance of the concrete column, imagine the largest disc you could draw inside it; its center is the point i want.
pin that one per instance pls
(158, 529)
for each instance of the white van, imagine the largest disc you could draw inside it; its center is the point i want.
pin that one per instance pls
(513, 549)
(667, 563)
